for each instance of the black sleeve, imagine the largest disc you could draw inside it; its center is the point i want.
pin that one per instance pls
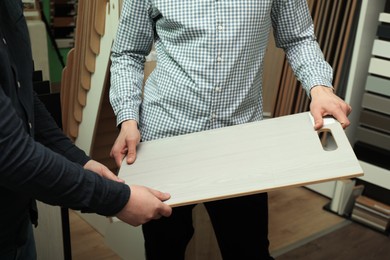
(50, 135)
(27, 166)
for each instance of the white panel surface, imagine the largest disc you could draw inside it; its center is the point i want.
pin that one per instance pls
(381, 48)
(378, 85)
(375, 175)
(384, 17)
(241, 160)
(37, 32)
(379, 67)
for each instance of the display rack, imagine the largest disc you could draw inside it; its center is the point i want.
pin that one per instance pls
(63, 15)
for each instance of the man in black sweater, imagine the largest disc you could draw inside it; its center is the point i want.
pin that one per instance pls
(37, 161)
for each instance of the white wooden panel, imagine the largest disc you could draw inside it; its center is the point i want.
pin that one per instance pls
(48, 234)
(375, 175)
(379, 67)
(381, 48)
(241, 160)
(378, 85)
(384, 17)
(38, 37)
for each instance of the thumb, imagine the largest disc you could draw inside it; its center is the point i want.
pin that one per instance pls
(165, 210)
(131, 152)
(163, 196)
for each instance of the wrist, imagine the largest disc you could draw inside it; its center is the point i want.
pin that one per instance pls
(319, 89)
(129, 124)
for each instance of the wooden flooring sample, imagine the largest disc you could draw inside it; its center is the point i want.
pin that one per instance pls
(241, 160)
(378, 85)
(376, 103)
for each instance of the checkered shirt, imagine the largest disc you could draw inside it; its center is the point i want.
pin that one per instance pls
(210, 55)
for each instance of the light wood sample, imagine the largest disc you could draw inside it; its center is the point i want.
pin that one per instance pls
(241, 160)
(379, 67)
(378, 85)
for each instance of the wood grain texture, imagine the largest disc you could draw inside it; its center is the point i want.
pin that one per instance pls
(241, 160)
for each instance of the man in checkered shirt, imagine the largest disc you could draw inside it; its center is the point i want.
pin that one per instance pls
(210, 55)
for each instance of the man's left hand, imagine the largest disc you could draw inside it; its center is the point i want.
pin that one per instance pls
(102, 170)
(325, 103)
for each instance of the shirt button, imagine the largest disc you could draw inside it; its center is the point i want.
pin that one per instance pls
(218, 89)
(5, 42)
(220, 27)
(219, 59)
(18, 83)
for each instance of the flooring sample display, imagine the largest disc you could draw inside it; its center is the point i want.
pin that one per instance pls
(384, 17)
(378, 85)
(242, 160)
(375, 121)
(376, 103)
(381, 48)
(379, 67)
(373, 137)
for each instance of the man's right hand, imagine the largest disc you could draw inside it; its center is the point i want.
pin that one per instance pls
(126, 143)
(144, 205)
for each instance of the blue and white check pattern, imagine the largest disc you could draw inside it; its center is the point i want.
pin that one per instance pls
(209, 61)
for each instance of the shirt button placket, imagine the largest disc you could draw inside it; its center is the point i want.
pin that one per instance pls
(217, 88)
(212, 116)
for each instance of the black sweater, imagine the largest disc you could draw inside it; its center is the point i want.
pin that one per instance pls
(37, 161)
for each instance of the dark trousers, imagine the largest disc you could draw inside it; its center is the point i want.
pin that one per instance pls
(240, 225)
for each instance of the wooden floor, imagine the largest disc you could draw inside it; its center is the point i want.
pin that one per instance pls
(352, 242)
(86, 243)
(296, 220)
